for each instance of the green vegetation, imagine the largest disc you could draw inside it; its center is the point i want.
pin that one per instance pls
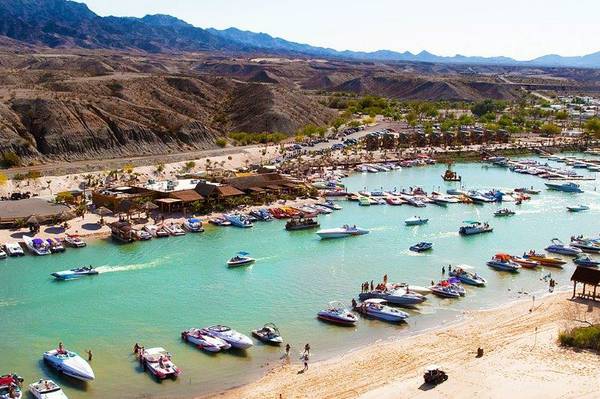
(10, 159)
(581, 337)
(3, 179)
(64, 198)
(128, 168)
(32, 174)
(221, 143)
(189, 165)
(312, 130)
(243, 138)
(592, 126)
(550, 128)
(484, 107)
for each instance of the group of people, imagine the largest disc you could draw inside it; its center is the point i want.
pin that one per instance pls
(367, 287)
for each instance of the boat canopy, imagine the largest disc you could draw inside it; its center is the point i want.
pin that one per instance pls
(504, 257)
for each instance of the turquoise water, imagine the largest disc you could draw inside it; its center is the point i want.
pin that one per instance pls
(150, 292)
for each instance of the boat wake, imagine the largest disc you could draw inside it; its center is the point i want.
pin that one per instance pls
(443, 234)
(127, 268)
(8, 302)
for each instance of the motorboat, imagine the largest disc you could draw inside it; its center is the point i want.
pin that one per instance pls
(37, 246)
(238, 220)
(468, 277)
(400, 297)
(525, 190)
(204, 340)
(586, 261)
(578, 208)
(337, 313)
(155, 231)
(331, 205)
(269, 334)
(558, 247)
(569, 187)
(69, 363)
(416, 221)
(341, 232)
(585, 245)
(10, 386)
(364, 201)
(504, 263)
(421, 247)
(545, 260)
(55, 246)
(141, 234)
(376, 309)
(193, 225)
(411, 288)
(219, 221)
(473, 227)
(262, 214)
(241, 259)
(504, 212)
(46, 389)
(176, 230)
(13, 249)
(394, 201)
(323, 209)
(525, 262)
(476, 196)
(301, 224)
(158, 362)
(74, 241)
(227, 334)
(445, 291)
(75, 273)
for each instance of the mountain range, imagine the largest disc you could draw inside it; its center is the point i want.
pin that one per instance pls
(68, 24)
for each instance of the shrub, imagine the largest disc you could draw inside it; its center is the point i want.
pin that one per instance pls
(581, 337)
(64, 198)
(3, 179)
(221, 143)
(128, 168)
(10, 159)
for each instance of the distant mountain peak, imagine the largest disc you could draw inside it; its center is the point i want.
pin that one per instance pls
(165, 21)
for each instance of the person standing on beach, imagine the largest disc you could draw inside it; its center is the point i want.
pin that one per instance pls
(287, 350)
(372, 285)
(306, 350)
(385, 278)
(90, 354)
(449, 268)
(305, 364)
(443, 270)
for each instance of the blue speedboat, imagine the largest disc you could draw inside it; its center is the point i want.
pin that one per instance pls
(586, 261)
(503, 263)
(193, 225)
(238, 220)
(558, 247)
(421, 247)
(468, 277)
(569, 187)
(75, 273)
(585, 245)
(69, 363)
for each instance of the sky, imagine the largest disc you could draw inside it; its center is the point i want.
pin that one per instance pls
(521, 29)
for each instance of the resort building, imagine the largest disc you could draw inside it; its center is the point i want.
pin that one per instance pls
(13, 213)
(590, 278)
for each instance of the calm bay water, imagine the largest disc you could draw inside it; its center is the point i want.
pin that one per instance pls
(150, 292)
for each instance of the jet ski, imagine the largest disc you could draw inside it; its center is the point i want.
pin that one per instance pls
(269, 334)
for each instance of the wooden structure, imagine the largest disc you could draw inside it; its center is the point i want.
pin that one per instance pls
(589, 277)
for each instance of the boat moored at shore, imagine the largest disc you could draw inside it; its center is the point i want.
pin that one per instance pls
(69, 363)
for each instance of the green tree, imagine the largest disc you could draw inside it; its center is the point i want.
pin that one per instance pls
(550, 128)
(592, 126)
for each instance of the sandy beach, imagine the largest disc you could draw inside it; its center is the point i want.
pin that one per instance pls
(521, 360)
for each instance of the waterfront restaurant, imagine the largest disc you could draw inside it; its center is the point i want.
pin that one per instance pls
(264, 183)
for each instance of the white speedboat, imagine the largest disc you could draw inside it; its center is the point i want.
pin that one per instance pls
(74, 241)
(234, 338)
(75, 273)
(46, 389)
(176, 230)
(269, 334)
(37, 246)
(157, 361)
(375, 308)
(341, 232)
(337, 313)
(141, 235)
(468, 277)
(157, 231)
(204, 340)
(13, 249)
(445, 291)
(401, 296)
(415, 221)
(69, 363)
(241, 259)
(193, 225)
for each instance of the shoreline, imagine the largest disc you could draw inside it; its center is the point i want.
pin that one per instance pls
(386, 368)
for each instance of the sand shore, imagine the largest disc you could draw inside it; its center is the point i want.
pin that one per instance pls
(522, 360)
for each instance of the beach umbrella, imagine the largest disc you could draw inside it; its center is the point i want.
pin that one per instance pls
(66, 215)
(33, 219)
(102, 211)
(149, 206)
(125, 206)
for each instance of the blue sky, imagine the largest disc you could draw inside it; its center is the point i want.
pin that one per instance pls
(521, 29)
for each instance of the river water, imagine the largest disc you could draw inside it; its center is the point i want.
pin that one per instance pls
(149, 292)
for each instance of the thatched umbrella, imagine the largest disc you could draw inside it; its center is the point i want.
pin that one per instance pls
(102, 211)
(33, 219)
(149, 206)
(66, 215)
